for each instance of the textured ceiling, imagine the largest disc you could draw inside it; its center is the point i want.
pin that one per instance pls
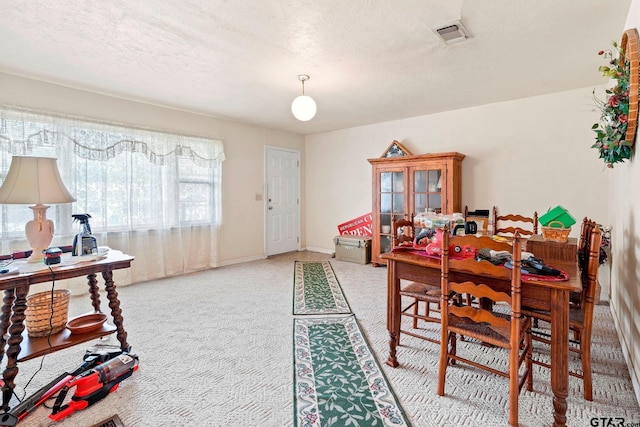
(369, 61)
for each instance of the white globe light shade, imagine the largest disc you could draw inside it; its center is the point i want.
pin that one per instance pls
(303, 108)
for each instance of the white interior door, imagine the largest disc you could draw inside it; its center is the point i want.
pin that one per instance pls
(283, 200)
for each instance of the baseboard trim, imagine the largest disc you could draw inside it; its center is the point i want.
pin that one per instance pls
(626, 352)
(240, 260)
(321, 250)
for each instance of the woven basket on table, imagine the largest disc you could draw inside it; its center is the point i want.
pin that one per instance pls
(40, 322)
(556, 234)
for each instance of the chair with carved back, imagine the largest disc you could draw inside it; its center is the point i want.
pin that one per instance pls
(502, 327)
(507, 225)
(580, 316)
(428, 294)
(403, 232)
(587, 227)
(583, 242)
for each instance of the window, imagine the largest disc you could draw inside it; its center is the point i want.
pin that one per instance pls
(195, 189)
(127, 179)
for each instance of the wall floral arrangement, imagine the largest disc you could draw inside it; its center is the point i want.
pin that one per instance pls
(616, 129)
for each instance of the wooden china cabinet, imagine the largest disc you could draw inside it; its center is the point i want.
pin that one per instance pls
(406, 184)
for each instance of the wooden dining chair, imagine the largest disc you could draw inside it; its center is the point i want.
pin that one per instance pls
(587, 228)
(510, 223)
(504, 328)
(577, 298)
(403, 231)
(419, 294)
(580, 317)
(584, 241)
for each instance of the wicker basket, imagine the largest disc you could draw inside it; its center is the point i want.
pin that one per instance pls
(40, 322)
(557, 233)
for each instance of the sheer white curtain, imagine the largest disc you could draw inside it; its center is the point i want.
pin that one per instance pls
(154, 195)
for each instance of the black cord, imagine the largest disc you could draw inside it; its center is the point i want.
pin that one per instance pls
(24, 389)
(53, 285)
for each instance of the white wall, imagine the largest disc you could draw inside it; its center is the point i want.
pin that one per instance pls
(624, 205)
(243, 170)
(522, 156)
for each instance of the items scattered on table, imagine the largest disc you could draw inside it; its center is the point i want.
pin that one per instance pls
(432, 220)
(429, 242)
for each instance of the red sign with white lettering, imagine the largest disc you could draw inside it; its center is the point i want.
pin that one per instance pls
(360, 226)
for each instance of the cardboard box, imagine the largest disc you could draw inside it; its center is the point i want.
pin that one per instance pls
(353, 248)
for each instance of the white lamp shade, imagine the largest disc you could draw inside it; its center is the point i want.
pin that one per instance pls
(34, 180)
(303, 108)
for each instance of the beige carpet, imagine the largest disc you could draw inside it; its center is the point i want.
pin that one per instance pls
(215, 350)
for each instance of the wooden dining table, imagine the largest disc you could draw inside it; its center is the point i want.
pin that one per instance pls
(551, 295)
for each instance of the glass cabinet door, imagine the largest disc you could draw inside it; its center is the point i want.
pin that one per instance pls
(392, 205)
(427, 190)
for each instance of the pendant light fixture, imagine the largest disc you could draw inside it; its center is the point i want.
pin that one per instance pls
(303, 107)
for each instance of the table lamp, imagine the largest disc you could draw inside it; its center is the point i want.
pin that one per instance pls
(35, 180)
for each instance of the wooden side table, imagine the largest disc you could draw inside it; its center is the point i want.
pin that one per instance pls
(20, 347)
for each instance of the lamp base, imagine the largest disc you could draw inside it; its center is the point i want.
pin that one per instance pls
(39, 232)
(37, 255)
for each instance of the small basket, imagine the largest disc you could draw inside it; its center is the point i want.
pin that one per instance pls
(40, 322)
(556, 234)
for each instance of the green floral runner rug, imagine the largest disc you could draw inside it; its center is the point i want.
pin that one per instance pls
(316, 290)
(338, 381)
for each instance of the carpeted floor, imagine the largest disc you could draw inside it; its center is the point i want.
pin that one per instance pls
(215, 350)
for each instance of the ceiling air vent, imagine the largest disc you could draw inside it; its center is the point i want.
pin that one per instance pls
(453, 33)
